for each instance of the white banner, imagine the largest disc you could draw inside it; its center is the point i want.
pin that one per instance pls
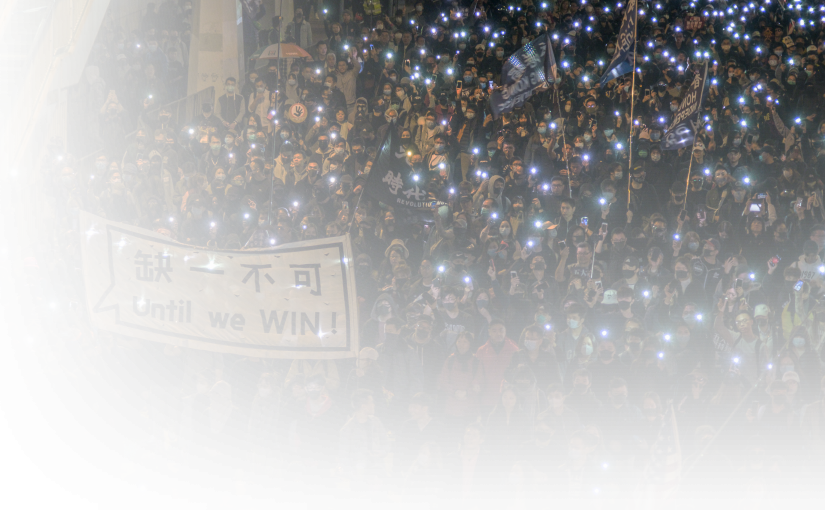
(292, 301)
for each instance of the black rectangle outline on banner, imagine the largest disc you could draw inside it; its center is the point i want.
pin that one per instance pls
(338, 245)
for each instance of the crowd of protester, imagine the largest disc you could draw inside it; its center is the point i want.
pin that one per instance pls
(572, 302)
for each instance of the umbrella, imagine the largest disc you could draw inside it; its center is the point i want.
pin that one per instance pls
(287, 51)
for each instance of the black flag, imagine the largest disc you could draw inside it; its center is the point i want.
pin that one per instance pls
(622, 62)
(683, 128)
(525, 70)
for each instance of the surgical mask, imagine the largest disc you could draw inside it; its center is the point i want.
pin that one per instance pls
(215, 147)
(499, 54)
(504, 231)
(798, 342)
(468, 79)
(531, 345)
(430, 124)
(230, 89)
(611, 51)
(284, 135)
(608, 195)
(587, 137)
(439, 147)
(292, 81)
(542, 130)
(587, 349)
(260, 90)
(608, 132)
(778, 53)
(809, 72)
(773, 63)
(791, 81)
(693, 246)
(655, 157)
(449, 306)
(674, 107)
(387, 92)
(471, 116)
(572, 324)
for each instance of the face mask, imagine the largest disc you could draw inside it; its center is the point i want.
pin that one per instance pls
(260, 90)
(681, 274)
(449, 306)
(542, 130)
(655, 158)
(674, 107)
(587, 138)
(627, 274)
(499, 54)
(608, 132)
(230, 89)
(611, 51)
(726, 47)
(773, 63)
(440, 147)
(579, 145)
(809, 72)
(572, 324)
(539, 266)
(619, 245)
(693, 246)
(216, 147)
(791, 81)
(707, 252)
(531, 345)
(383, 309)
(778, 53)
(798, 342)
(587, 350)
(374, 486)
(606, 355)
(471, 116)
(430, 124)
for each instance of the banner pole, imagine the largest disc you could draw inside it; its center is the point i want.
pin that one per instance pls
(556, 91)
(632, 104)
(693, 147)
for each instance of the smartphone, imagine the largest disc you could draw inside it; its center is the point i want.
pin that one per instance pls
(513, 275)
(345, 206)
(682, 215)
(738, 283)
(762, 196)
(799, 203)
(798, 286)
(562, 244)
(748, 139)
(490, 84)
(598, 284)
(756, 208)
(584, 220)
(407, 63)
(458, 85)
(775, 260)
(603, 229)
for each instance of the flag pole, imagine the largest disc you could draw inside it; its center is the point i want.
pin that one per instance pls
(556, 91)
(693, 146)
(632, 103)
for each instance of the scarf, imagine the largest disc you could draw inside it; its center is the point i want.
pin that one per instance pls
(221, 406)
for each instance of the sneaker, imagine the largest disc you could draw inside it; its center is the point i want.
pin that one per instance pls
(113, 480)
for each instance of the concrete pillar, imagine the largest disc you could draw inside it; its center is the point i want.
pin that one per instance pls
(216, 50)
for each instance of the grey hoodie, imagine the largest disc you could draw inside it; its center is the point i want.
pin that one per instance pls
(502, 204)
(67, 409)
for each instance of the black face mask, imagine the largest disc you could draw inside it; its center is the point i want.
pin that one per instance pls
(681, 274)
(707, 252)
(624, 305)
(628, 274)
(539, 266)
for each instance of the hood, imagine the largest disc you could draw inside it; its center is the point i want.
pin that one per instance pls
(92, 74)
(393, 304)
(491, 186)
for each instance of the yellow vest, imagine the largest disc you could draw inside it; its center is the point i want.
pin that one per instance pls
(372, 7)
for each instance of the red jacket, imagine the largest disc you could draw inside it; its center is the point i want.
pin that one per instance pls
(493, 366)
(452, 380)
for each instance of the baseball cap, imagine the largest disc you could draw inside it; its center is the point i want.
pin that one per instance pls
(761, 311)
(611, 297)
(632, 261)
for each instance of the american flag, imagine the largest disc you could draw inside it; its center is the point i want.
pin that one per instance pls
(660, 479)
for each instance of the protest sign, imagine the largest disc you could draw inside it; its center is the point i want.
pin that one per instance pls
(529, 68)
(683, 127)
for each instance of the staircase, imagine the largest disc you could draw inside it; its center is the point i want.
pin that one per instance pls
(16, 43)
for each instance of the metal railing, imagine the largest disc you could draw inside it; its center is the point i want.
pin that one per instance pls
(183, 111)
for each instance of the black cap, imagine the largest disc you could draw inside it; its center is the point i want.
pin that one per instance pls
(206, 107)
